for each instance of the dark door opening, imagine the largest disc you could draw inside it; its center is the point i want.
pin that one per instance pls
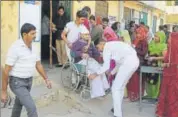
(45, 27)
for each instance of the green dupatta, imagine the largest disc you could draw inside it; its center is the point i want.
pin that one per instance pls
(158, 48)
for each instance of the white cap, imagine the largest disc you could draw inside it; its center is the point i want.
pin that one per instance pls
(84, 31)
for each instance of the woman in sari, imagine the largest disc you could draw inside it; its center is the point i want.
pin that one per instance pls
(141, 34)
(157, 47)
(142, 50)
(168, 98)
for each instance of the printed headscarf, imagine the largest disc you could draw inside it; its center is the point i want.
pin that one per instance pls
(141, 34)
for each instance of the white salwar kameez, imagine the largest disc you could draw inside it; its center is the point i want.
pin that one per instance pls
(99, 84)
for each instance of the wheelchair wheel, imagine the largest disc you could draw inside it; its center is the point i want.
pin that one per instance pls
(85, 94)
(70, 77)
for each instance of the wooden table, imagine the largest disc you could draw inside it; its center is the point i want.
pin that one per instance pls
(147, 69)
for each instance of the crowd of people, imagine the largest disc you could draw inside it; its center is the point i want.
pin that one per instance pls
(93, 37)
(113, 56)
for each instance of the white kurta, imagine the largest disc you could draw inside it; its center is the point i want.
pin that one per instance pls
(99, 84)
(127, 61)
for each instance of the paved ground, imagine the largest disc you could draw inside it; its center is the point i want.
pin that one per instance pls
(93, 108)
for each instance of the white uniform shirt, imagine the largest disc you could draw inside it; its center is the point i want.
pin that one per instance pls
(117, 51)
(22, 59)
(73, 31)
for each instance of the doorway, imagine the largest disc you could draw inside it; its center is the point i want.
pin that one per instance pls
(144, 17)
(45, 27)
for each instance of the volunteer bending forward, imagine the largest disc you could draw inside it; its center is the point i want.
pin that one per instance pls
(126, 58)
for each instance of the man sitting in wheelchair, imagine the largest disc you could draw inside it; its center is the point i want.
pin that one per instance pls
(87, 56)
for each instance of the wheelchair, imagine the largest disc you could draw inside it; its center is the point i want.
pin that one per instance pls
(75, 79)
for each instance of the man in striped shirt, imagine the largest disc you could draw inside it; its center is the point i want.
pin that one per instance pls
(22, 59)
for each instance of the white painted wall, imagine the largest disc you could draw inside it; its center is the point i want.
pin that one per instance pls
(172, 9)
(157, 4)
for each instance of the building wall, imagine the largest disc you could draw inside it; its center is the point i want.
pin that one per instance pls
(172, 14)
(172, 18)
(159, 13)
(9, 26)
(79, 5)
(133, 5)
(113, 9)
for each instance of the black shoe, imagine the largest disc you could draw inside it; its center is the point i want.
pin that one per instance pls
(66, 66)
(112, 110)
(59, 65)
(107, 91)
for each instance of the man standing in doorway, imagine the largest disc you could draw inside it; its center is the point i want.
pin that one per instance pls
(72, 31)
(127, 61)
(60, 21)
(22, 59)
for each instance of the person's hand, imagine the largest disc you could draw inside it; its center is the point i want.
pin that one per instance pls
(108, 73)
(48, 83)
(86, 47)
(85, 56)
(151, 58)
(133, 46)
(92, 76)
(165, 65)
(4, 96)
(54, 30)
(69, 45)
(122, 38)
